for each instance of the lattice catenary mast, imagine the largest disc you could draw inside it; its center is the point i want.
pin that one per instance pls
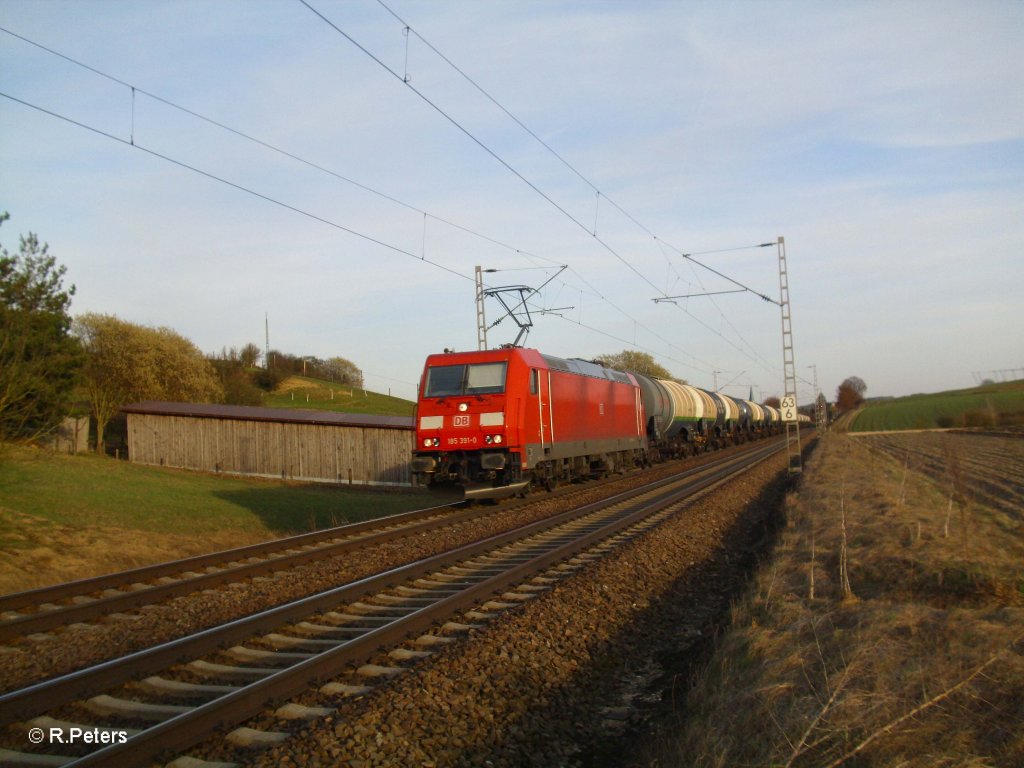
(789, 412)
(481, 322)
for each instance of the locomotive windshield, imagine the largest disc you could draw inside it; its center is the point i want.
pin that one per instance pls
(474, 379)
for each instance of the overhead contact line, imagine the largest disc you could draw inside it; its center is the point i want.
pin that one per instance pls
(407, 29)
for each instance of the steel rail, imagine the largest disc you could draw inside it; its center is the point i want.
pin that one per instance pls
(277, 552)
(64, 590)
(277, 556)
(188, 728)
(31, 700)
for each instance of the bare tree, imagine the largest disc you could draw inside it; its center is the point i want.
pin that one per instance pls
(850, 394)
(250, 355)
(343, 371)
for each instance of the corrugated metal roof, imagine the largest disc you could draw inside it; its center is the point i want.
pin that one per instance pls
(250, 413)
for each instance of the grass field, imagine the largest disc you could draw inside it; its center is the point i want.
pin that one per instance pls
(303, 392)
(987, 406)
(64, 517)
(886, 629)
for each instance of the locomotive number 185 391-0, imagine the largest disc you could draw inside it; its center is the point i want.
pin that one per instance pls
(461, 441)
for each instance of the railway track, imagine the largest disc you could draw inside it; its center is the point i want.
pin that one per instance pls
(41, 610)
(85, 600)
(225, 675)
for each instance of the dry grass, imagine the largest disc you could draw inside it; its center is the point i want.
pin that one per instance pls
(70, 517)
(919, 663)
(38, 552)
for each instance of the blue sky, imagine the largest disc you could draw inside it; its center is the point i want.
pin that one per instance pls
(883, 140)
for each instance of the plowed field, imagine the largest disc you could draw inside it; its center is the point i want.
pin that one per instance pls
(986, 468)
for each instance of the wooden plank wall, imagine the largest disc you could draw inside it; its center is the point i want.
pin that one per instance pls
(307, 452)
(72, 436)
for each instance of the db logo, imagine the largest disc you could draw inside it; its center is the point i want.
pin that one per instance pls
(460, 420)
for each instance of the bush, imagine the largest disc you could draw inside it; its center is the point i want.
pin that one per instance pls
(267, 379)
(239, 388)
(977, 419)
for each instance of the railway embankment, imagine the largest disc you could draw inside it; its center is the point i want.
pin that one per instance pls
(886, 629)
(568, 677)
(72, 647)
(613, 597)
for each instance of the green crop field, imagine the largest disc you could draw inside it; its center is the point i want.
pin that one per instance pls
(992, 405)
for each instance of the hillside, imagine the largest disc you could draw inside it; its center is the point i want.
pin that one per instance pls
(306, 392)
(993, 405)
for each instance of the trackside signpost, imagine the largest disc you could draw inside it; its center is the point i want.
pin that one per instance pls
(788, 408)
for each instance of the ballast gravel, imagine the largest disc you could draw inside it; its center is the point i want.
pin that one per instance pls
(565, 678)
(30, 660)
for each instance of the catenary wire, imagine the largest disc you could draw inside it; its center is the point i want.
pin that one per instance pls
(580, 175)
(405, 80)
(297, 158)
(593, 291)
(479, 143)
(277, 202)
(240, 187)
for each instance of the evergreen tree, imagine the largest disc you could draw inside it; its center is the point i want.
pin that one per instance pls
(39, 357)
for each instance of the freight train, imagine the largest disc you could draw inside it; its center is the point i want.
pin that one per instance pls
(496, 422)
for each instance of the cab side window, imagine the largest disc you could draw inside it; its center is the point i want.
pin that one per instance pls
(534, 381)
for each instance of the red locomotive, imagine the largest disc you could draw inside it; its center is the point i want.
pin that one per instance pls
(494, 421)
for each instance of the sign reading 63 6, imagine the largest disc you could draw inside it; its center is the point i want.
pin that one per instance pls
(788, 408)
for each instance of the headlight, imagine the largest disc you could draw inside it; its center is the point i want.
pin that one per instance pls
(497, 439)
(431, 442)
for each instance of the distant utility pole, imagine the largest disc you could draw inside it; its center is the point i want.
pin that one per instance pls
(266, 330)
(820, 417)
(788, 409)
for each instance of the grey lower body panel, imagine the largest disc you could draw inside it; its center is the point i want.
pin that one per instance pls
(536, 453)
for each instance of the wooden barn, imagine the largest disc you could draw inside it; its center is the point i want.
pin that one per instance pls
(310, 446)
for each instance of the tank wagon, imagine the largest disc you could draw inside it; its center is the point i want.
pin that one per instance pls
(494, 422)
